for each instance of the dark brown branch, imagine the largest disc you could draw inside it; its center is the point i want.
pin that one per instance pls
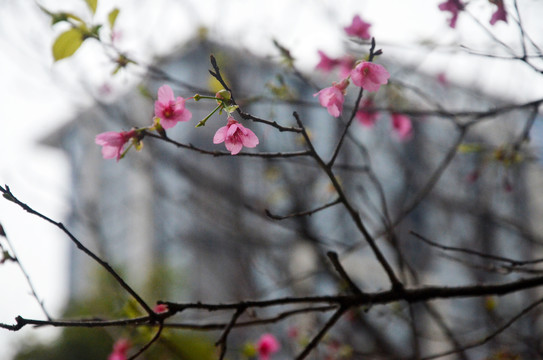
(226, 153)
(6, 192)
(355, 216)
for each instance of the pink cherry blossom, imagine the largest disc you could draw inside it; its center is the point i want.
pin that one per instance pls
(358, 28)
(332, 97)
(160, 308)
(365, 117)
(454, 6)
(326, 64)
(235, 136)
(120, 348)
(170, 110)
(266, 346)
(369, 76)
(500, 13)
(402, 126)
(113, 143)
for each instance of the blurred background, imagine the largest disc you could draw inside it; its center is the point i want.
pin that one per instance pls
(183, 226)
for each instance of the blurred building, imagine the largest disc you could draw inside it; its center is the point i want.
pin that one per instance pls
(181, 225)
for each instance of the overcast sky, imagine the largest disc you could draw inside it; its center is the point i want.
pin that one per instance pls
(38, 95)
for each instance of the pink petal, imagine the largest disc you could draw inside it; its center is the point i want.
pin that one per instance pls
(233, 147)
(110, 152)
(165, 94)
(220, 135)
(250, 140)
(402, 126)
(159, 109)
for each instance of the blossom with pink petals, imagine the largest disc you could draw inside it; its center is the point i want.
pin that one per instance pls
(367, 117)
(326, 63)
(454, 6)
(402, 126)
(120, 348)
(442, 79)
(266, 346)
(169, 109)
(369, 76)
(500, 13)
(235, 136)
(113, 143)
(332, 97)
(358, 28)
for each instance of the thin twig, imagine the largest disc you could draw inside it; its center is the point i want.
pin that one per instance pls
(222, 340)
(341, 271)
(316, 340)
(153, 340)
(15, 258)
(303, 213)
(474, 252)
(489, 336)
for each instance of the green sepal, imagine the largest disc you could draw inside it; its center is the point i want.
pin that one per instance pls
(230, 108)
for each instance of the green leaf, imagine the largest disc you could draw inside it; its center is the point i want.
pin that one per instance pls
(92, 5)
(112, 17)
(67, 44)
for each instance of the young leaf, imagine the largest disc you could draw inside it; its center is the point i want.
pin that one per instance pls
(112, 17)
(67, 44)
(92, 5)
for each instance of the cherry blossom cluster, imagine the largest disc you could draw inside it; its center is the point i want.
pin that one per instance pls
(364, 74)
(169, 111)
(456, 6)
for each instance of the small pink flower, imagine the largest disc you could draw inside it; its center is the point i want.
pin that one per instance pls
(113, 143)
(235, 136)
(454, 6)
(500, 13)
(367, 117)
(369, 76)
(402, 126)
(266, 346)
(326, 64)
(358, 28)
(120, 348)
(332, 97)
(442, 79)
(160, 308)
(170, 110)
